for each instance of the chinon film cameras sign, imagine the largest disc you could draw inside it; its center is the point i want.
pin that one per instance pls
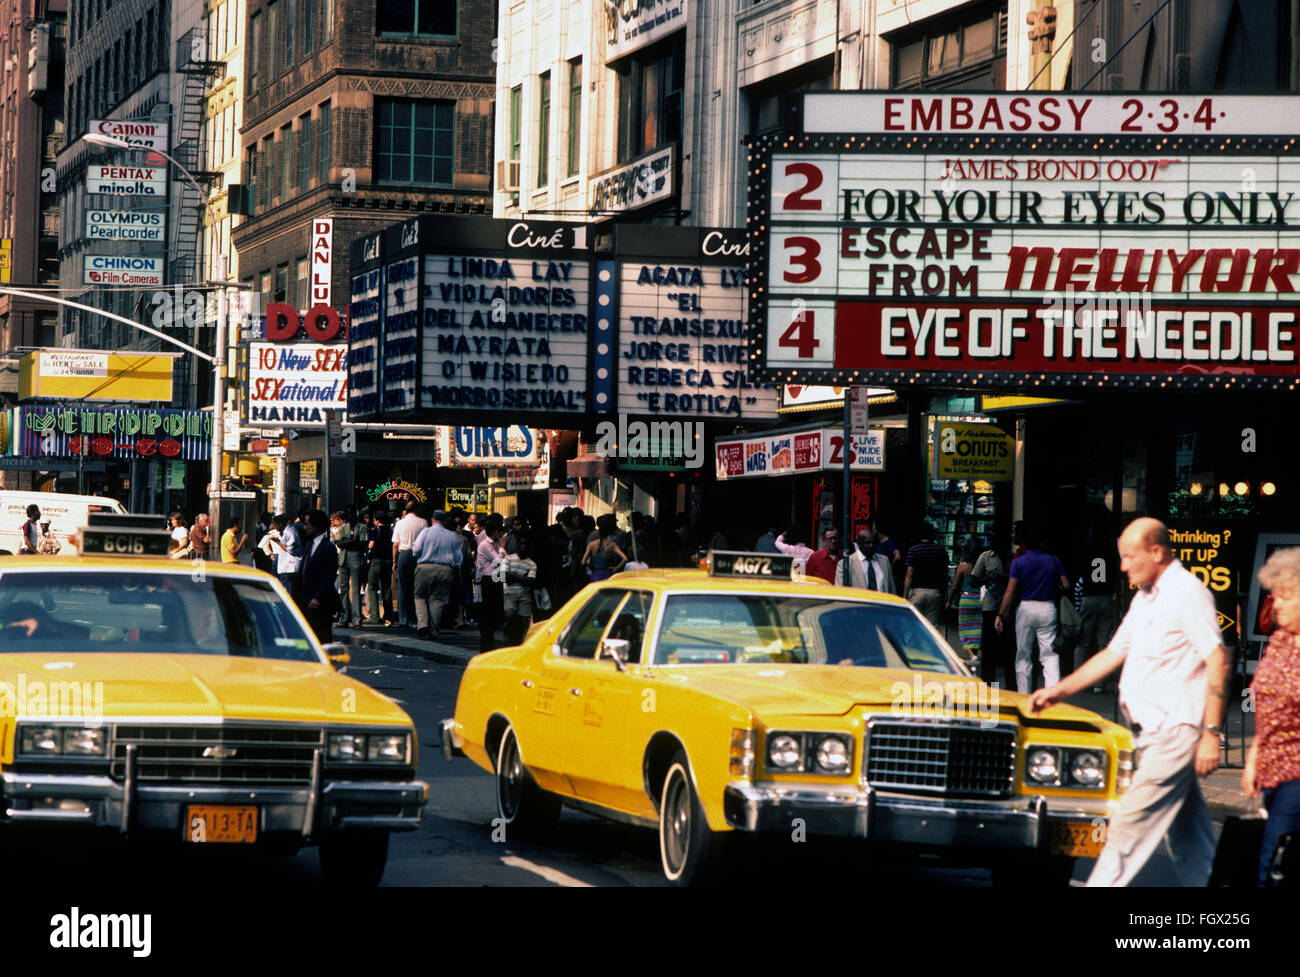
(1048, 239)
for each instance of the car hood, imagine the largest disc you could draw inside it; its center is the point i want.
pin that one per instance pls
(833, 690)
(148, 685)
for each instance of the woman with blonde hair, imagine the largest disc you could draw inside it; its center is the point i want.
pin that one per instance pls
(1273, 761)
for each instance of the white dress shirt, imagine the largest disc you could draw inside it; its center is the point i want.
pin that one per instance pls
(1165, 639)
(407, 528)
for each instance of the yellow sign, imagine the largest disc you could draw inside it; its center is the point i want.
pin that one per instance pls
(981, 451)
(989, 402)
(6, 258)
(74, 374)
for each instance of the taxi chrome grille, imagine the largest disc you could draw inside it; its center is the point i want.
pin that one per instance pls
(941, 758)
(217, 754)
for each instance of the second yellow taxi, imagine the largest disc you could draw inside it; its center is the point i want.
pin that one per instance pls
(741, 699)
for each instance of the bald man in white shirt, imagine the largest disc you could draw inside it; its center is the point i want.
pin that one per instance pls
(1173, 689)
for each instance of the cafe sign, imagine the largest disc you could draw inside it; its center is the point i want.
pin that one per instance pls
(397, 490)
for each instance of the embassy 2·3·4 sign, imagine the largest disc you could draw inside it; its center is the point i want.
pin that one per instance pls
(1066, 241)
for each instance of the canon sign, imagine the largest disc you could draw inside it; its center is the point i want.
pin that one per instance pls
(146, 135)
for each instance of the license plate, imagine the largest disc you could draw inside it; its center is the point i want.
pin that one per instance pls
(1078, 839)
(217, 823)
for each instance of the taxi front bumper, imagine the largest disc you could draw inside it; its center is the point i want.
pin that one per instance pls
(308, 811)
(1019, 822)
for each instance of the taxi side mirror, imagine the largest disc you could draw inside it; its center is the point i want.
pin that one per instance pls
(617, 649)
(337, 652)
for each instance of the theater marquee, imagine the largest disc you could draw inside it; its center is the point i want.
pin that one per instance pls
(1044, 239)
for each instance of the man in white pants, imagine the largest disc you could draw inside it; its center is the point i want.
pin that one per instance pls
(1036, 578)
(1172, 688)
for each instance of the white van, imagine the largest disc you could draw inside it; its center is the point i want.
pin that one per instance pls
(65, 513)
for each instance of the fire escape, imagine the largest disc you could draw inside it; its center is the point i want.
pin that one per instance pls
(195, 63)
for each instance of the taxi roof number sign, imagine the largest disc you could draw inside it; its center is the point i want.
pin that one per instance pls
(114, 534)
(763, 566)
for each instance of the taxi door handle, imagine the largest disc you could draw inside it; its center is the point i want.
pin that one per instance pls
(526, 683)
(575, 691)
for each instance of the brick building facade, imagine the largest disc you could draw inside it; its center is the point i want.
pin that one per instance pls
(358, 114)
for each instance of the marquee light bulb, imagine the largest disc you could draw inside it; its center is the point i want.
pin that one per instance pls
(1241, 488)
(1268, 488)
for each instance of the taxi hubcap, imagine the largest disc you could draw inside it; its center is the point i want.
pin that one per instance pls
(512, 776)
(678, 817)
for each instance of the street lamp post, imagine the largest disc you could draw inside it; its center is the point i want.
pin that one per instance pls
(219, 359)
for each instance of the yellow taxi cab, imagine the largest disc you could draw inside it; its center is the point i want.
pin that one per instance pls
(157, 697)
(745, 699)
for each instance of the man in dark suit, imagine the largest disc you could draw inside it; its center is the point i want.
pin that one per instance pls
(317, 598)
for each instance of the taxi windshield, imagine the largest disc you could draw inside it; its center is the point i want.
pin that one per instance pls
(753, 628)
(155, 613)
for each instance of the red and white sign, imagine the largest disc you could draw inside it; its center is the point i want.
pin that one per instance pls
(293, 385)
(322, 259)
(1056, 114)
(146, 135)
(1112, 258)
(802, 451)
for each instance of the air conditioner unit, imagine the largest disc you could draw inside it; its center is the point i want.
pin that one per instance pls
(508, 175)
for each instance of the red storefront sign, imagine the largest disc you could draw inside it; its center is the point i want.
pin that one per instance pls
(1101, 338)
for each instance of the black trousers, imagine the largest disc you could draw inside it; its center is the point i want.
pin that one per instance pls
(491, 613)
(997, 649)
(322, 623)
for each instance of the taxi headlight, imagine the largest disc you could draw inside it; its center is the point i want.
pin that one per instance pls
(83, 741)
(1088, 768)
(834, 755)
(347, 746)
(1043, 766)
(389, 747)
(40, 740)
(785, 751)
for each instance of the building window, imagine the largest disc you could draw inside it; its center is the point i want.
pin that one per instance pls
(575, 117)
(420, 18)
(254, 52)
(650, 87)
(516, 122)
(966, 51)
(304, 289)
(250, 173)
(281, 283)
(290, 31)
(308, 26)
(323, 146)
(268, 171)
(327, 16)
(305, 157)
(414, 142)
(543, 127)
(769, 101)
(272, 32)
(286, 162)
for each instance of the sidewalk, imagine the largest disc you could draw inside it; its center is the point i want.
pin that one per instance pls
(1222, 789)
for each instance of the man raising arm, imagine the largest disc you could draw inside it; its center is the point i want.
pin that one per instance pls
(1173, 691)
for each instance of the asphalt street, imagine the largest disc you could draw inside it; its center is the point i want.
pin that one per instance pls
(455, 845)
